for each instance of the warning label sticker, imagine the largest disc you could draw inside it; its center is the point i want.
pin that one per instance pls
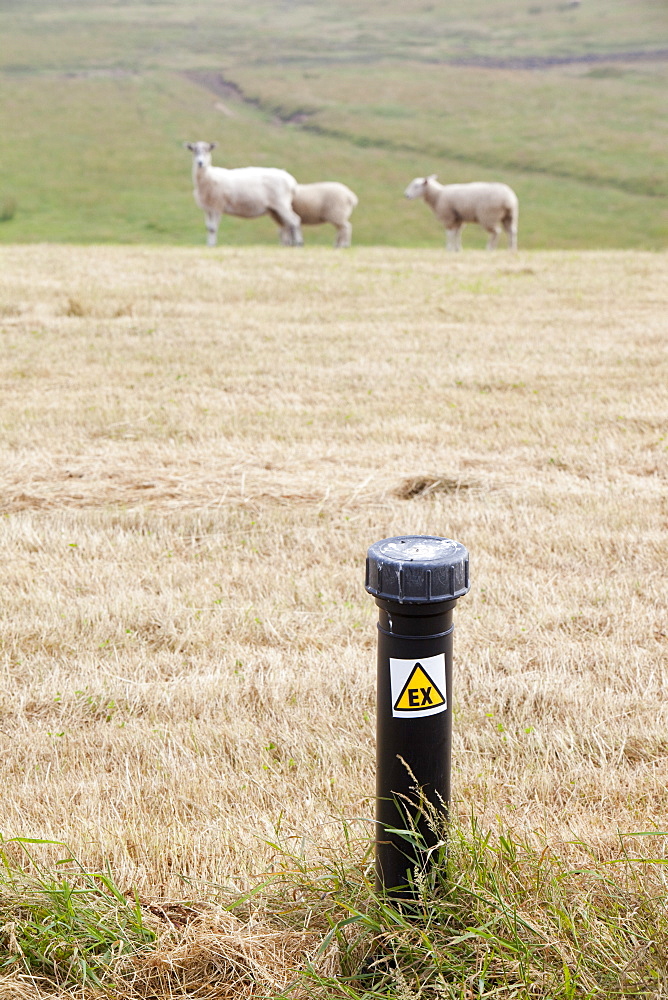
(418, 687)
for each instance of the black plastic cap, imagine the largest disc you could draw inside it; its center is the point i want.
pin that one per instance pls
(417, 569)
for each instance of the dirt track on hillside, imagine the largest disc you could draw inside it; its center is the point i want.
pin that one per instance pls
(218, 84)
(549, 62)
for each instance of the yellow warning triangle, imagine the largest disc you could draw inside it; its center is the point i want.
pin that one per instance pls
(419, 693)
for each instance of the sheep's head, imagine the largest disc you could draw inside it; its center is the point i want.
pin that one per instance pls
(201, 152)
(418, 186)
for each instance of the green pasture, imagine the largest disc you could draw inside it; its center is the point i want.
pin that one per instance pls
(97, 99)
(589, 125)
(59, 34)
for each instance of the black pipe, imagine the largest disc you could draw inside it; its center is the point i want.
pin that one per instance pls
(416, 581)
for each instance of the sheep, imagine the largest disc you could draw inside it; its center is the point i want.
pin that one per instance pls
(245, 191)
(326, 201)
(491, 204)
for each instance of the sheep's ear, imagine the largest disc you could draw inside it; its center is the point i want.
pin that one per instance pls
(189, 145)
(212, 145)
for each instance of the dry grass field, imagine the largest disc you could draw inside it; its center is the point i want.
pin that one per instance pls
(198, 448)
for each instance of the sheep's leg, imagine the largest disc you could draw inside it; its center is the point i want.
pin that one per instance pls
(283, 229)
(493, 238)
(294, 228)
(344, 235)
(212, 221)
(511, 232)
(296, 237)
(454, 238)
(291, 234)
(291, 226)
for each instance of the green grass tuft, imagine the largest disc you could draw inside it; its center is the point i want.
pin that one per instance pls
(69, 929)
(492, 917)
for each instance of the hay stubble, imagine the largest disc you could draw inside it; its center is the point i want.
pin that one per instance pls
(198, 449)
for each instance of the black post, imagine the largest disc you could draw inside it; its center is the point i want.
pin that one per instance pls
(416, 580)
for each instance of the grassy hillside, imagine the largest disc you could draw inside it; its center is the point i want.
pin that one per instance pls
(559, 101)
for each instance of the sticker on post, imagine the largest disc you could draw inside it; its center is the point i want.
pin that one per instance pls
(418, 687)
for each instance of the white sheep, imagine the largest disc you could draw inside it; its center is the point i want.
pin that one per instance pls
(325, 201)
(245, 191)
(491, 204)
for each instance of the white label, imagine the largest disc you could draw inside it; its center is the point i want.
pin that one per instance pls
(418, 687)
